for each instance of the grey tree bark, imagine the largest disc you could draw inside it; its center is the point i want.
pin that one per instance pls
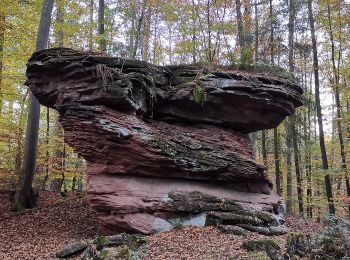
(240, 28)
(2, 39)
(289, 142)
(139, 29)
(101, 25)
(336, 82)
(24, 195)
(275, 130)
(327, 179)
(91, 21)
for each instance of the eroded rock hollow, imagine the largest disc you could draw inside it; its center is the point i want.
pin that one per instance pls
(166, 146)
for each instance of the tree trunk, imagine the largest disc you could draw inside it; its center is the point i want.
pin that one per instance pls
(328, 184)
(60, 23)
(272, 51)
(47, 139)
(297, 165)
(275, 130)
(292, 124)
(24, 198)
(256, 33)
(337, 101)
(289, 206)
(308, 157)
(194, 31)
(209, 47)
(263, 146)
(277, 163)
(138, 30)
(91, 22)
(101, 25)
(240, 28)
(146, 35)
(2, 40)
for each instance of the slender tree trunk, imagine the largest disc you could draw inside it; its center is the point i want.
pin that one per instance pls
(256, 40)
(138, 30)
(292, 124)
(209, 49)
(2, 40)
(63, 167)
(146, 35)
(101, 25)
(194, 31)
(60, 23)
(155, 32)
(169, 43)
(328, 184)
(132, 31)
(277, 162)
(318, 194)
(289, 206)
(297, 166)
(240, 28)
(24, 198)
(253, 136)
(47, 139)
(263, 146)
(289, 137)
(91, 22)
(337, 101)
(275, 130)
(308, 158)
(272, 51)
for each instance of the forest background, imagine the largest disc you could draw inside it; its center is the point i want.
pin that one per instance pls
(307, 155)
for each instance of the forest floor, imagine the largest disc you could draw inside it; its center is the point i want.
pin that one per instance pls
(58, 221)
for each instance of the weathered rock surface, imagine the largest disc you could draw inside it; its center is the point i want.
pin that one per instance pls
(121, 246)
(166, 146)
(269, 246)
(71, 250)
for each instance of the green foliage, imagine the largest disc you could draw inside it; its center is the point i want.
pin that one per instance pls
(245, 57)
(99, 242)
(199, 95)
(102, 255)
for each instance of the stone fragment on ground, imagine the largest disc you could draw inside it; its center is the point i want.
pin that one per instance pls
(235, 230)
(71, 250)
(269, 246)
(119, 246)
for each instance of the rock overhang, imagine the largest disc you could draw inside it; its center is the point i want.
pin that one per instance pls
(240, 100)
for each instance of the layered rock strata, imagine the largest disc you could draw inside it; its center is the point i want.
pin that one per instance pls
(166, 146)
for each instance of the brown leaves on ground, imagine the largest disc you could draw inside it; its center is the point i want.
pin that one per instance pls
(39, 233)
(58, 221)
(208, 243)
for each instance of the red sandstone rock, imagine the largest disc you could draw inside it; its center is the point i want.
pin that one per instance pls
(156, 154)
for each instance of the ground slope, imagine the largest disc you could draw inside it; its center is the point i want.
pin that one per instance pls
(40, 233)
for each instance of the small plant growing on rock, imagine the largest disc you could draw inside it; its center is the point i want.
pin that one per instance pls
(99, 242)
(199, 95)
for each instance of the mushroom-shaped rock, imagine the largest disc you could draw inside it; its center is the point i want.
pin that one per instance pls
(166, 145)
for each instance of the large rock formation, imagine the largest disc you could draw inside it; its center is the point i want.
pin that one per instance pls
(166, 146)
